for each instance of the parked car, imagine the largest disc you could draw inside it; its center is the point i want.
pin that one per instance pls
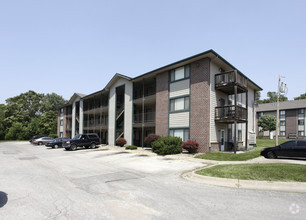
(36, 137)
(89, 140)
(295, 149)
(42, 140)
(57, 142)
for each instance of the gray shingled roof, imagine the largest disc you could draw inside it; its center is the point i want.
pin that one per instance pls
(293, 104)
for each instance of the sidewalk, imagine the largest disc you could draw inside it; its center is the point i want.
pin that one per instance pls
(235, 183)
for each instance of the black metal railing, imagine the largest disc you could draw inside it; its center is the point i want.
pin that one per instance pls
(230, 113)
(148, 117)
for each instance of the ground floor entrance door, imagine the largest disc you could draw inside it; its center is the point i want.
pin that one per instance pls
(222, 136)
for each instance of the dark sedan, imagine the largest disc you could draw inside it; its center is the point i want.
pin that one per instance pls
(294, 149)
(57, 142)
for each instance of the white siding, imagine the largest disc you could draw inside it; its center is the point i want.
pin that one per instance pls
(128, 106)
(177, 120)
(180, 88)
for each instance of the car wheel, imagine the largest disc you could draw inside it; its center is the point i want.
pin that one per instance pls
(56, 146)
(271, 155)
(40, 143)
(67, 148)
(93, 146)
(73, 147)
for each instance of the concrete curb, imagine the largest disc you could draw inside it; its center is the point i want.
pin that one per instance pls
(246, 184)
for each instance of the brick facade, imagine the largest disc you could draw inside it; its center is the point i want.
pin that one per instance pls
(200, 103)
(291, 122)
(162, 95)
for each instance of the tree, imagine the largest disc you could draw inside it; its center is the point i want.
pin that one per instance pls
(302, 96)
(272, 97)
(16, 132)
(50, 102)
(267, 123)
(29, 114)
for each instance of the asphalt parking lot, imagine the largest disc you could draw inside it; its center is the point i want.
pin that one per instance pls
(105, 183)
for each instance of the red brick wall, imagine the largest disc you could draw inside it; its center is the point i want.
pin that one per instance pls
(162, 104)
(58, 122)
(200, 103)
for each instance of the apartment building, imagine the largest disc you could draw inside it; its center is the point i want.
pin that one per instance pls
(203, 98)
(291, 118)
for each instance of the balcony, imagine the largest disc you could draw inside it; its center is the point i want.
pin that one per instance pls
(227, 81)
(149, 119)
(228, 114)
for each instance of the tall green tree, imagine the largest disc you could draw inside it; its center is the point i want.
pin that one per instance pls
(267, 123)
(50, 102)
(29, 114)
(302, 96)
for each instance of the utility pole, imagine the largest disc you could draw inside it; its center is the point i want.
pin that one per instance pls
(281, 89)
(277, 111)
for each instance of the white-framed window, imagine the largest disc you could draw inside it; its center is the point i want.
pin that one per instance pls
(282, 133)
(182, 133)
(282, 113)
(301, 133)
(282, 123)
(180, 73)
(179, 104)
(260, 114)
(62, 111)
(61, 122)
(61, 134)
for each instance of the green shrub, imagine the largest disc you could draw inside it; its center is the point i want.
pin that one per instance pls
(120, 142)
(131, 147)
(53, 135)
(167, 145)
(150, 138)
(191, 146)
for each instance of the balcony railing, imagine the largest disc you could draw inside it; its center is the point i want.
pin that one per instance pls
(148, 92)
(149, 117)
(227, 80)
(230, 113)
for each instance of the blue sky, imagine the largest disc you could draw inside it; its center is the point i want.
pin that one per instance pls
(67, 46)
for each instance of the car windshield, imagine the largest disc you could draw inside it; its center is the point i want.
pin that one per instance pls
(78, 136)
(57, 139)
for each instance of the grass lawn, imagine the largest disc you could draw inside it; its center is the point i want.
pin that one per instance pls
(222, 156)
(263, 172)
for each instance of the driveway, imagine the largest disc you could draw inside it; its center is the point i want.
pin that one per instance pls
(107, 183)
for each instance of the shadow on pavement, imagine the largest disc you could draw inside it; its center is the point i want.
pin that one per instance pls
(3, 199)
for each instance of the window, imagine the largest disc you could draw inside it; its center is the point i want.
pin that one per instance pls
(260, 114)
(61, 134)
(301, 133)
(282, 133)
(301, 122)
(62, 111)
(288, 145)
(282, 123)
(301, 111)
(282, 113)
(239, 135)
(182, 133)
(179, 104)
(61, 122)
(180, 73)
